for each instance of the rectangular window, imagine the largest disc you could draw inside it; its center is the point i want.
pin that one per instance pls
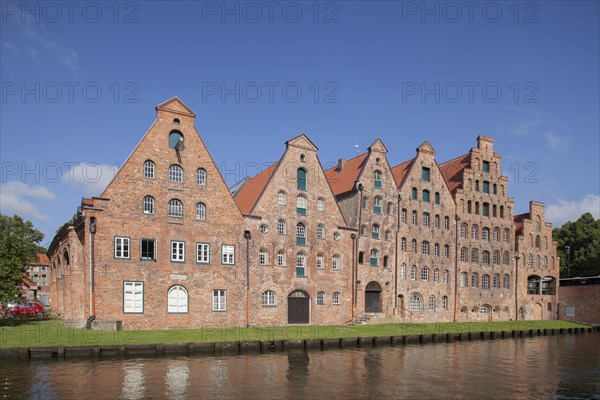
(133, 297)
(219, 300)
(426, 174)
(486, 187)
(228, 254)
(486, 166)
(121, 247)
(203, 253)
(148, 249)
(570, 311)
(177, 251)
(486, 210)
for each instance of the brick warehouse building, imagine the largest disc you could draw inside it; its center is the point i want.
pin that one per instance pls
(168, 245)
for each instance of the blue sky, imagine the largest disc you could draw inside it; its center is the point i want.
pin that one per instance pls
(80, 82)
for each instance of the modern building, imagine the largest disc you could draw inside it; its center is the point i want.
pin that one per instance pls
(38, 286)
(168, 245)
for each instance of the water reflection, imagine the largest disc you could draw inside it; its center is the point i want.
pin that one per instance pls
(533, 368)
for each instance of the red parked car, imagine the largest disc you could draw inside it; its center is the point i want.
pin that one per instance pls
(27, 310)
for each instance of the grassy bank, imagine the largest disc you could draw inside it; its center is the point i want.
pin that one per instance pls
(41, 333)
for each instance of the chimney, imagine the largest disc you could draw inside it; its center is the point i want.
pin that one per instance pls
(341, 163)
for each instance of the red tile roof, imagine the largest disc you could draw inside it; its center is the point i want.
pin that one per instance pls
(452, 171)
(400, 170)
(343, 181)
(249, 194)
(519, 223)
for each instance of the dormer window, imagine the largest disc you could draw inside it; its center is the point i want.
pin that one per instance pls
(176, 140)
(426, 174)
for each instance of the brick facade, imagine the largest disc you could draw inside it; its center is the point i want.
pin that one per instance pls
(168, 245)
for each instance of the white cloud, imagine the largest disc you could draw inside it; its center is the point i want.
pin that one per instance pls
(571, 210)
(13, 196)
(554, 141)
(92, 176)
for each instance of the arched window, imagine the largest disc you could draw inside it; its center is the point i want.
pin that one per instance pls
(506, 258)
(413, 246)
(496, 259)
(301, 205)
(506, 282)
(413, 273)
(530, 259)
(148, 205)
(281, 259)
(538, 241)
(377, 204)
(269, 298)
(301, 179)
(477, 207)
(403, 271)
(425, 219)
(463, 231)
(431, 303)
(361, 257)
(363, 230)
(263, 257)
(374, 257)
(320, 298)
(436, 221)
(485, 257)
(320, 204)
(175, 173)
(300, 264)
(175, 208)
(335, 298)
(301, 234)
(436, 197)
(463, 279)
(414, 217)
(201, 177)
(445, 303)
(501, 211)
(390, 208)
(377, 177)
(281, 198)
(496, 283)
(537, 261)
(388, 235)
(496, 235)
(175, 140)
(469, 207)
(494, 210)
(474, 255)
(336, 262)
(485, 281)
(545, 262)
(281, 227)
(474, 232)
(446, 223)
(426, 196)
(424, 274)
(375, 231)
(464, 255)
(320, 231)
(201, 212)
(436, 276)
(177, 300)
(477, 185)
(485, 234)
(149, 169)
(386, 261)
(475, 280)
(425, 247)
(446, 251)
(415, 303)
(414, 193)
(436, 250)
(506, 236)
(403, 216)
(403, 244)
(446, 276)
(320, 261)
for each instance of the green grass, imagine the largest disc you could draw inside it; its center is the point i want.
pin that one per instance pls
(41, 333)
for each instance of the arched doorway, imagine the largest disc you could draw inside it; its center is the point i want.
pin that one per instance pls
(298, 307)
(373, 297)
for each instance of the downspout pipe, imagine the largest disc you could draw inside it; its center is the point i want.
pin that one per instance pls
(517, 257)
(360, 188)
(353, 236)
(396, 256)
(247, 236)
(457, 221)
(92, 266)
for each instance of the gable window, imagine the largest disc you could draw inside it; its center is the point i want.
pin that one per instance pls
(219, 300)
(300, 265)
(148, 205)
(301, 205)
(228, 254)
(177, 251)
(375, 231)
(301, 234)
(175, 208)
(122, 247)
(281, 198)
(321, 231)
(281, 259)
(133, 297)
(201, 177)
(281, 228)
(320, 204)
(374, 257)
(377, 203)
(201, 212)
(177, 299)
(414, 193)
(263, 257)
(175, 173)
(269, 298)
(175, 140)
(426, 174)
(486, 166)
(335, 298)
(301, 179)
(377, 179)
(321, 298)
(148, 249)
(149, 169)
(426, 196)
(486, 187)
(202, 253)
(436, 197)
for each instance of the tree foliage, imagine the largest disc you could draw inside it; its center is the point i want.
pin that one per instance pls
(19, 244)
(583, 237)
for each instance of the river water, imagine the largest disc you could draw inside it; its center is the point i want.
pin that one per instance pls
(562, 366)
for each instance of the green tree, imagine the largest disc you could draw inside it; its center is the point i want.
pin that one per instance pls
(583, 238)
(18, 246)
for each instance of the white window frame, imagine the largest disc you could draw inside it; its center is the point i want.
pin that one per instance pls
(320, 261)
(149, 169)
(228, 254)
(133, 297)
(282, 198)
(202, 253)
(335, 298)
(281, 259)
(201, 177)
(177, 300)
(177, 251)
(269, 298)
(263, 257)
(320, 298)
(122, 247)
(175, 208)
(148, 205)
(201, 211)
(176, 173)
(281, 227)
(320, 204)
(219, 300)
(336, 262)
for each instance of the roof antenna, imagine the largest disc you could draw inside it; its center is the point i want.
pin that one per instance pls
(356, 147)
